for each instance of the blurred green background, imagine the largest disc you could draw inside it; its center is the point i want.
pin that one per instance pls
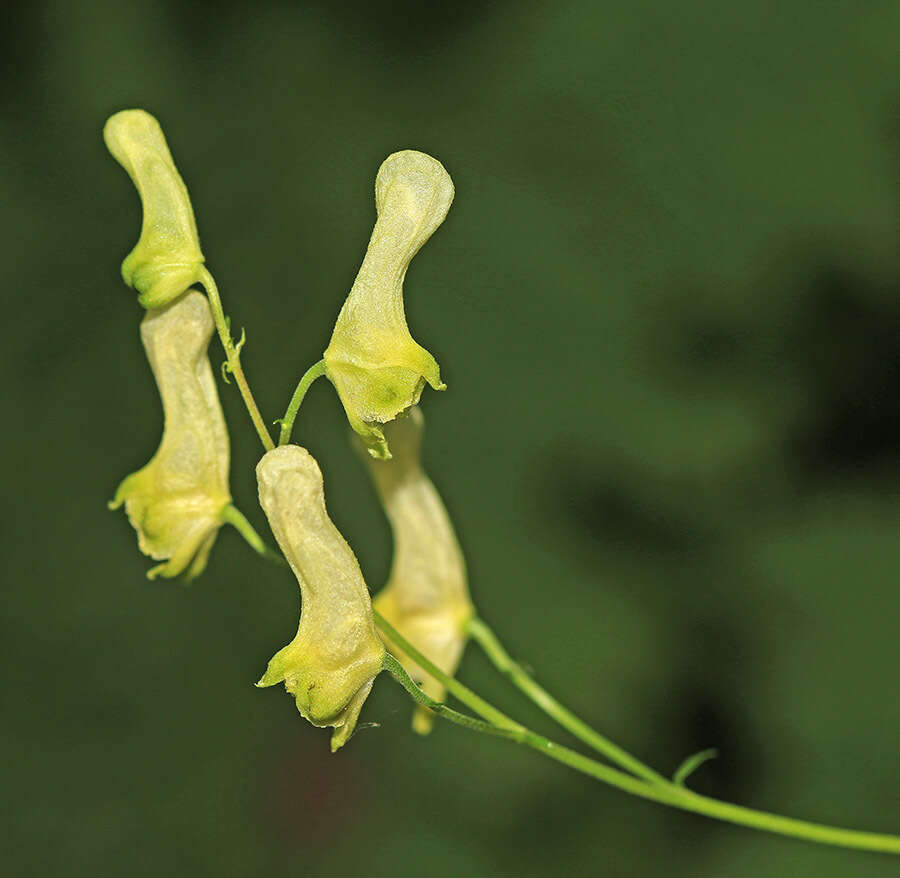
(667, 305)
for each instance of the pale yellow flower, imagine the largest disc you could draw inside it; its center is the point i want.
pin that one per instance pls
(427, 596)
(372, 360)
(167, 257)
(176, 502)
(329, 667)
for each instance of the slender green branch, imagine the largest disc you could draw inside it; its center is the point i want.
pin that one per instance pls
(688, 801)
(691, 764)
(392, 666)
(232, 354)
(287, 422)
(487, 640)
(236, 519)
(666, 793)
(463, 693)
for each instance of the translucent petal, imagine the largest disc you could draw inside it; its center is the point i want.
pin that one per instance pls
(166, 259)
(372, 360)
(331, 663)
(427, 597)
(175, 502)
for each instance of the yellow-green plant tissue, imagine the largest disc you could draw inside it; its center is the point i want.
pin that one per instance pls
(177, 500)
(167, 258)
(330, 665)
(372, 360)
(427, 596)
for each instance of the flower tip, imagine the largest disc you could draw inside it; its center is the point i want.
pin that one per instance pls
(157, 571)
(264, 682)
(346, 726)
(423, 183)
(339, 738)
(423, 720)
(128, 125)
(270, 678)
(379, 450)
(167, 259)
(276, 669)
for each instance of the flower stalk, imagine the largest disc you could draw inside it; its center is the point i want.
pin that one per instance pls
(482, 634)
(666, 793)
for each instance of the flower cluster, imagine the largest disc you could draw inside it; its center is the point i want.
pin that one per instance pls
(180, 499)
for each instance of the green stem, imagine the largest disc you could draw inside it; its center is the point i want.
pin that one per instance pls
(287, 422)
(688, 801)
(667, 793)
(233, 516)
(233, 357)
(392, 666)
(487, 640)
(463, 693)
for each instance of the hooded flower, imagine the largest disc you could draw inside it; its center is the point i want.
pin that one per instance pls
(372, 360)
(426, 598)
(176, 502)
(330, 665)
(167, 257)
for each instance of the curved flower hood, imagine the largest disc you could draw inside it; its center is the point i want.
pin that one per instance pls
(372, 360)
(176, 502)
(329, 667)
(166, 259)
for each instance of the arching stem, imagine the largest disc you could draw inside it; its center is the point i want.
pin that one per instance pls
(233, 357)
(287, 422)
(488, 641)
(665, 793)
